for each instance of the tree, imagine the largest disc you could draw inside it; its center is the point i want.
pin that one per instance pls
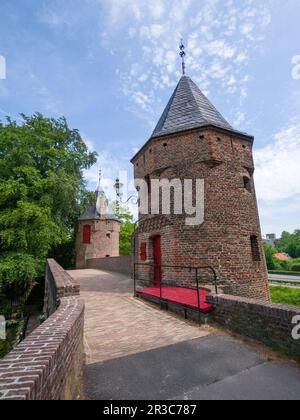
(290, 243)
(127, 228)
(272, 263)
(41, 194)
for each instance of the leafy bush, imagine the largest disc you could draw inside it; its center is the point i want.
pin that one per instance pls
(272, 262)
(17, 272)
(296, 267)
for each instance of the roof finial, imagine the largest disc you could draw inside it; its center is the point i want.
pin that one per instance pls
(100, 175)
(182, 55)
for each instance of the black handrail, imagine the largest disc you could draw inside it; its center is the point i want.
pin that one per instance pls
(196, 269)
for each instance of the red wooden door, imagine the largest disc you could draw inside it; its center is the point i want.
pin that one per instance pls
(157, 260)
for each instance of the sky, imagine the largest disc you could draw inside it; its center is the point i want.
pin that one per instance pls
(110, 66)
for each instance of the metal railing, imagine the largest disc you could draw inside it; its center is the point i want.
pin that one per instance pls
(173, 276)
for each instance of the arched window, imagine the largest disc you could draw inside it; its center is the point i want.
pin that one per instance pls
(86, 237)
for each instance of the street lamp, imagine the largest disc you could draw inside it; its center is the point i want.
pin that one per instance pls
(118, 187)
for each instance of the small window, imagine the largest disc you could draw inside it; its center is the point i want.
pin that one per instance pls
(165, 144)
(86, 234)
(201, 137)
(255, 248)
(247, 184)
(107, 256)
(143, 251)
(108, 235)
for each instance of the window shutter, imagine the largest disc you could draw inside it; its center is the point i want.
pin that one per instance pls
(144, 251)
(86, 234)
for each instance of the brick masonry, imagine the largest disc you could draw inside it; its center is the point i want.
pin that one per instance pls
(105, 238)
(48, 364)
(121, 265)
(223, 241)
(268, 323)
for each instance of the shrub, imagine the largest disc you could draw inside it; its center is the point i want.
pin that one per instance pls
(17, 272)
(296, 267)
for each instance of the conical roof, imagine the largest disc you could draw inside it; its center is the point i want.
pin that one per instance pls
(188, 108)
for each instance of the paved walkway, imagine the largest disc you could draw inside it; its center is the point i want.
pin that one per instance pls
(136, 351)
(117, 325)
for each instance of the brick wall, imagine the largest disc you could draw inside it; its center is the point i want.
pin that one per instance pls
(268, 323)
(121, 265)
(48, 364)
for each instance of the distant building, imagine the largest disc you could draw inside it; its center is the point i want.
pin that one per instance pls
(98, 232)
(281, 256)
(271, 239)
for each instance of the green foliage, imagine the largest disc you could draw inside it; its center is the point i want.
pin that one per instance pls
(285, 295)
(42, 193)
(127, 229)
(290, 243)
(14, 330)
(272, 262)
(295, 267)
(17, 270)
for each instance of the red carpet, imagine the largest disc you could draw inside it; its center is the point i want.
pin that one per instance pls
(179, 295)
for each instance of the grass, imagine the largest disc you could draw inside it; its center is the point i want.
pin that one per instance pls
(285, 295)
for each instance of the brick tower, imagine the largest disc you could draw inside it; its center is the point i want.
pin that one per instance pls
(98, 232)
(193, 141)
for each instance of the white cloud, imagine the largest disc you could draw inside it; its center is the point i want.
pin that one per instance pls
(220, 37)
(277, 166)
(220, 41)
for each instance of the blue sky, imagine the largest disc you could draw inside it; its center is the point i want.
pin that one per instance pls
(110, 67)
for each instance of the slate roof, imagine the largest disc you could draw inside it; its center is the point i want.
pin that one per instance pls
(188, 108)
(92, 214)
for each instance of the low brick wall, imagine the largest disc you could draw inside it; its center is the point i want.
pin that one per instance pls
(48, 364)
(121, 265)
(269, 323)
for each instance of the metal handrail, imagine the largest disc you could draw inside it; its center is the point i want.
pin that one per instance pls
(161, 283)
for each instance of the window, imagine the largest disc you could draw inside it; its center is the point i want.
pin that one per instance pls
(108, 235)
(255, 248)
(86, 239)
(107, 256)
(143, 251)
(247, 184)
(165, 144)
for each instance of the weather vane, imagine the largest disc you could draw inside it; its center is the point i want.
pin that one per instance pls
(182, 55)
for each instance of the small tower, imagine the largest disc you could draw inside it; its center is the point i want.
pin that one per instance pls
(193, 141)
(98, 231)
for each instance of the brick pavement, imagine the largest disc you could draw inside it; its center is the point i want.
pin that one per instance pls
(118, 325)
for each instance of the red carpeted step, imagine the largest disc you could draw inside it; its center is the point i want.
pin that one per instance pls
(187, 297)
